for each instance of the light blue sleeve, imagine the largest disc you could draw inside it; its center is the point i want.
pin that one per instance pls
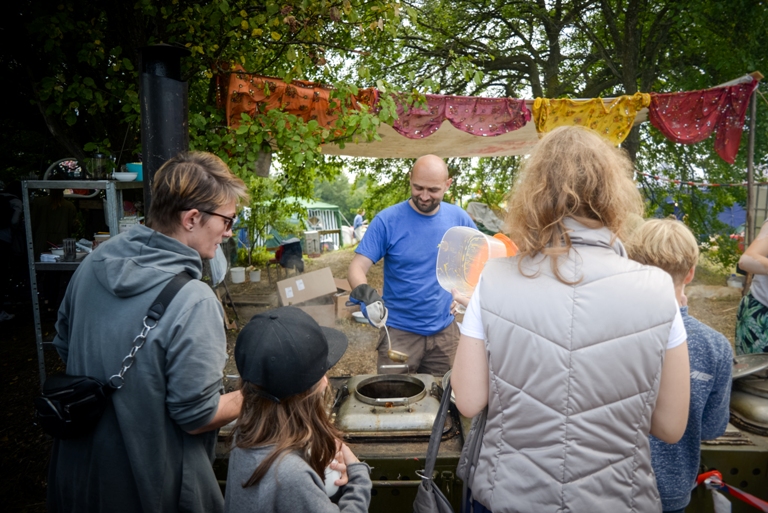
(374, 244)
(467, 221)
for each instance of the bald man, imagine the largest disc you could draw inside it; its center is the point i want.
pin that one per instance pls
(407, 236)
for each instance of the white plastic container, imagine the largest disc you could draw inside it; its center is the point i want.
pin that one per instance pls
(462, 256)
(736, 281)
(254, 275)
(237, 274)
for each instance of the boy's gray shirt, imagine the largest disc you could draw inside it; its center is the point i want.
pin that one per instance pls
(290, 485)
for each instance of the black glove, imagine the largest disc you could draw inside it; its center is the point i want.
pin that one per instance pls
(371, 304)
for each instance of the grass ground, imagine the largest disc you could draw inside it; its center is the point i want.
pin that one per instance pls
(718, 313)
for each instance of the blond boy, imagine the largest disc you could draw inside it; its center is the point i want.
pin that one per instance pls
(670, 245)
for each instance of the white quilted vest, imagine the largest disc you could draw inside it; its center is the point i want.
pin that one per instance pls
(574, 376)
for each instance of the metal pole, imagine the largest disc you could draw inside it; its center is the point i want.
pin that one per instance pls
(33, 281)
(164, 111)
(749, 233)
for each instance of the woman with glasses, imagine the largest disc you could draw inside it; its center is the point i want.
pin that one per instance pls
(153, 448)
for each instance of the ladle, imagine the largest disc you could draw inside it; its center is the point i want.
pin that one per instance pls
(395, 356)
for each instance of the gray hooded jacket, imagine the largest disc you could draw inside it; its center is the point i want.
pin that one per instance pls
(574, 376)
(140, 456)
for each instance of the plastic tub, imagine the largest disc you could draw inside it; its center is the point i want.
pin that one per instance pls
(237, 274)
(136, 167)
(255, 276)
(462, 255)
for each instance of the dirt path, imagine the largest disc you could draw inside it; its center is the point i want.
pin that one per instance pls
(709, 301)
(360, 357)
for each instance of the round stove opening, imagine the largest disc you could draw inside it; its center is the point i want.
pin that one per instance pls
(390, 390)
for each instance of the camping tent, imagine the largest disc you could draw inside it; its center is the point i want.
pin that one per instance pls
(322, 217)
(325, 218)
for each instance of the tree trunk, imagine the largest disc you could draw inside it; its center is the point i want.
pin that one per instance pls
(632, 143)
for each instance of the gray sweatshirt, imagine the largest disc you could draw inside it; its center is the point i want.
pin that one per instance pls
(290, 486)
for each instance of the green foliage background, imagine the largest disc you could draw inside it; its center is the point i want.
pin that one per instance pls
(75, 65)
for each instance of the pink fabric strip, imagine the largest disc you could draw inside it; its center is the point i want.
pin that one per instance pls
(476, 116)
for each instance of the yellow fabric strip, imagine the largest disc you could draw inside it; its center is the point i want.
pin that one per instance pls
(612, 121)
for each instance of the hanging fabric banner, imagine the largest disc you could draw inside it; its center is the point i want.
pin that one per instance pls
(243, 92)
(473, 115)
(691, 117)
(613, 121)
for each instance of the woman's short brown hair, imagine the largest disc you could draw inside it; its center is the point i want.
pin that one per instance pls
(571, 172)
(191, 180)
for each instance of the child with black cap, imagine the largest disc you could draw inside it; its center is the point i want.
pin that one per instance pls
(284, 442)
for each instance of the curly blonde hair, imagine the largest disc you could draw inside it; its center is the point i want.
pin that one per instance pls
(572, 172)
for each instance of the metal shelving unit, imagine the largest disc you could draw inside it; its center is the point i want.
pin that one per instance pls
(114, 196)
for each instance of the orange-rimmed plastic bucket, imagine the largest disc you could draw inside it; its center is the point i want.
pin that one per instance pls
(462, 256)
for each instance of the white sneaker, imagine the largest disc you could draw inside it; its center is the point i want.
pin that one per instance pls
(5, 316)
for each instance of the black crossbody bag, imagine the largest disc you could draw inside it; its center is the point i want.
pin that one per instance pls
(71, 406)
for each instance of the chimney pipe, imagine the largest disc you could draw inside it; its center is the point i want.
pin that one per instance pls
(164, 110)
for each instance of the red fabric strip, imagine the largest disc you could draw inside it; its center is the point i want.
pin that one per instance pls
(691, 117)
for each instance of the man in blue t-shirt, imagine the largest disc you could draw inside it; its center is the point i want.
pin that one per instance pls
(407, 235)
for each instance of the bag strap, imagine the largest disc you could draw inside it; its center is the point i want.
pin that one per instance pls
(160, 304)
(154, 313)
(437, 434)
(473, 452)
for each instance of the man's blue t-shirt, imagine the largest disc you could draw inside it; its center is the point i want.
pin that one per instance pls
(408, 242)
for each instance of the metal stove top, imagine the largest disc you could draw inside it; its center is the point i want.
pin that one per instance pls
(389, 406)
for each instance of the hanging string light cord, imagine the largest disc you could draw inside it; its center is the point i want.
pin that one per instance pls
(697, 184)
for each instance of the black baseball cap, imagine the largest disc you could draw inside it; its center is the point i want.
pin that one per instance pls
(285, 352)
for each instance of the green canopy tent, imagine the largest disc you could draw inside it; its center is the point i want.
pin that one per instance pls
(324, 218)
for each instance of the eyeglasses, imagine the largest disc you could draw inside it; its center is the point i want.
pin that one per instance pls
(228, 221)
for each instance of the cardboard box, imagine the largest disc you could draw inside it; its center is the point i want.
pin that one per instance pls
(342, 310)
(342, 284)
(303, 287)
(323, 314)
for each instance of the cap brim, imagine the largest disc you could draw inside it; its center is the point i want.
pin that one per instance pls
(337, 345)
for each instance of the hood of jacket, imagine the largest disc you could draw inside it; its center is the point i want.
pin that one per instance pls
(582, 235)
(137, 260)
